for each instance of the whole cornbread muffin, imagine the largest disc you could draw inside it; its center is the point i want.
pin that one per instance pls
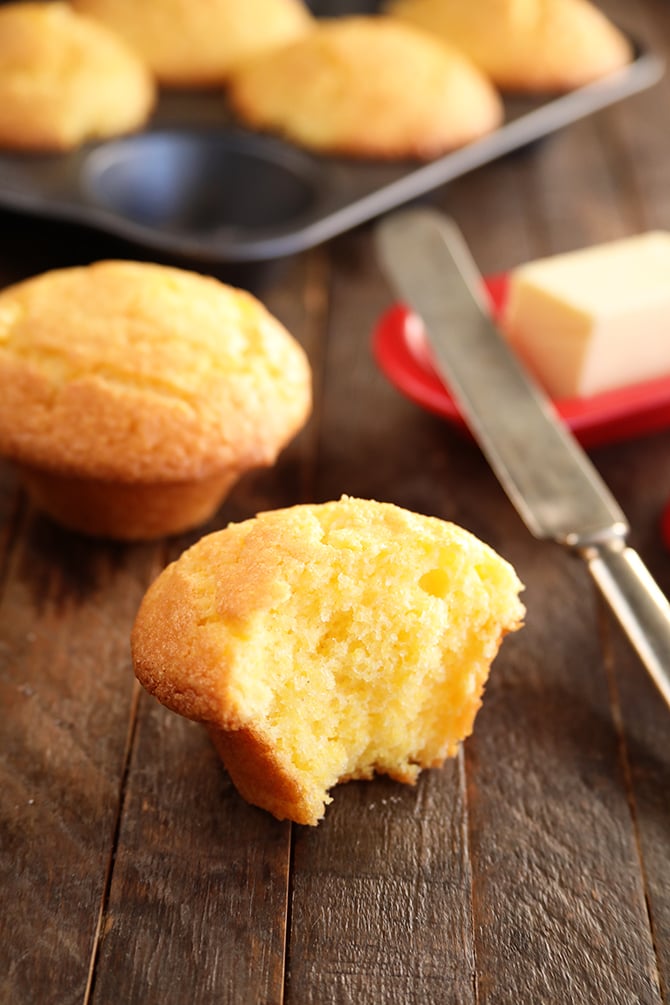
(135, 395)
(367, 87)
(196, 43)
(322, 643)
(525, 45)
(65, 79)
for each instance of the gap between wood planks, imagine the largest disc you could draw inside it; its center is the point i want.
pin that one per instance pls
(109, 871)
(120, 805)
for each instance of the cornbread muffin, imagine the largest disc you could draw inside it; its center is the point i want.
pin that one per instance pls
(327, 642)
(525, 45)
(196, 43)
(368, 87)
(65, 79)
(134, 395)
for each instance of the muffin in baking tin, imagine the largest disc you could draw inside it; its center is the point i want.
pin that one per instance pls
(525, 45)
(367, 87)
(66, 79)
(188, 43)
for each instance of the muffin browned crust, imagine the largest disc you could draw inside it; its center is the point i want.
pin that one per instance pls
(367, 87)
(138, 393)
(196, 43)
(525, 45)
(65, 79)
(327, 642)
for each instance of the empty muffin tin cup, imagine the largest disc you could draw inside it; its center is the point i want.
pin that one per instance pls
(195, 184)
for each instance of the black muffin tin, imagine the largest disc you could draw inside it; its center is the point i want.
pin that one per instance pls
(196, 185)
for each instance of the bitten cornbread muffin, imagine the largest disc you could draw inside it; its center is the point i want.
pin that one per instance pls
(367, 87)
(134, 395)
(328, 642)
(196, 43)
(65, 79)
(525, 45)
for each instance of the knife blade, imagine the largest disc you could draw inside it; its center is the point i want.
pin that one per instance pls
(550, 480)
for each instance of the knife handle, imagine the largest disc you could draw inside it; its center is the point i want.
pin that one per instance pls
(639, 604)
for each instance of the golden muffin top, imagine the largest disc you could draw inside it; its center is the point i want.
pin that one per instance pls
(367, 86)
(144, 372)
(525, 45)
(65, 79)
(196, 43)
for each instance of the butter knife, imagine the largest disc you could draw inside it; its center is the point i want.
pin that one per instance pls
(548, 477)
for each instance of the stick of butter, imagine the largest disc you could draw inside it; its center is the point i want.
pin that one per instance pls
(595, 319)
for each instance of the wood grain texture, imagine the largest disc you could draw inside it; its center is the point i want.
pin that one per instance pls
(558, 898)
(531, 870)
(644, 489)
(198, 900)
(66, 693)
(381, 897)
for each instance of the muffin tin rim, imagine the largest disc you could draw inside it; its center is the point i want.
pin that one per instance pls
(348, 192)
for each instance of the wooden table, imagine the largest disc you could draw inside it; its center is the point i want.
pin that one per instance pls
(534, 868)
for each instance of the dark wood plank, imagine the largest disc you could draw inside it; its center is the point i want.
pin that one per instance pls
(198, 898)
(636, 138)
(531, 869)
(11, 505)
(551, 922)
(642, 482)
(67, 697)
(558, 898)
(197, 906)
(643, 486)
(381, 897)
(638, 153)
(574, 897)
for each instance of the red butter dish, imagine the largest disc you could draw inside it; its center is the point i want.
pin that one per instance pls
(402, 353)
